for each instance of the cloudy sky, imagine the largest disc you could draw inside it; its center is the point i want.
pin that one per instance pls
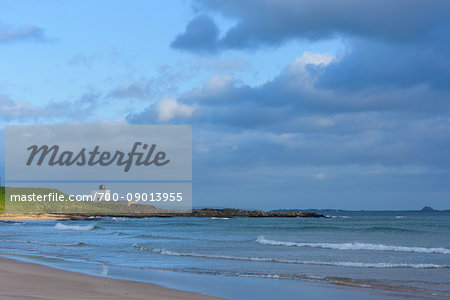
(293, 103)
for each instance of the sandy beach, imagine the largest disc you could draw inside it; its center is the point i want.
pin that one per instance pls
(20, 280)
(32, 217)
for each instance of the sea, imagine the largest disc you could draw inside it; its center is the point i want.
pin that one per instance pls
(360, 255)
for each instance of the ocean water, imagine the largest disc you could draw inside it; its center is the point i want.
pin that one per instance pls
(398, 253)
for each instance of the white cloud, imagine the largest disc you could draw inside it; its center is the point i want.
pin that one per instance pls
(215, 85)
(299, 67)
(312, 58)
(169, 109)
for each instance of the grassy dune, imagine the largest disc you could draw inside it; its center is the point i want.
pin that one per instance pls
(69, 207)
(2, 199)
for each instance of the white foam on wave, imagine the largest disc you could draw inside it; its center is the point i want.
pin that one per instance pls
(399, 217)
(291, 261)
(217, 218)
(44, 243)
(74, 227)
(354, 246)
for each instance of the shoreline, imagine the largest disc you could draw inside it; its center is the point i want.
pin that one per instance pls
(30, 280)
(26, 280)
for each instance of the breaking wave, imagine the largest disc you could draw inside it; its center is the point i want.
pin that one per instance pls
(390, 229)
(75, 227)
(291, 261)
(354, 246)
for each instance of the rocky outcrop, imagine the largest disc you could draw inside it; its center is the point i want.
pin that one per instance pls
(233, 212)
(205, 212)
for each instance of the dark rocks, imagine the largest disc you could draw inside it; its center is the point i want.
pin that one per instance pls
(233, 212)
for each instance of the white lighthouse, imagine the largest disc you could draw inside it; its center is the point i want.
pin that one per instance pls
(102, 194)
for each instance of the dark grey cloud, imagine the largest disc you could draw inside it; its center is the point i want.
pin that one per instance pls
(283, 103)
(377, 116)
(386, 155)
(391, 45)
(200, 36)
(407, 142)
(380, 65)
(9, 34)
(290, 120)
(274, 22)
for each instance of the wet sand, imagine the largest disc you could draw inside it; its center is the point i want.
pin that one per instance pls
(20, 280)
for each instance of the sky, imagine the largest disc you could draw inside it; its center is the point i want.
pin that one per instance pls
(293, 103)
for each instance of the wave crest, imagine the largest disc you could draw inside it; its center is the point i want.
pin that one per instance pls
(291, 261)
(354, 246)
(75, 227)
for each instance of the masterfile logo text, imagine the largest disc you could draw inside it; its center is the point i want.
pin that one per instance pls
(121, 163)
(148, 156)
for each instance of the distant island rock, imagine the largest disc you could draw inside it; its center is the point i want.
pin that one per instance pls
(427, 209)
